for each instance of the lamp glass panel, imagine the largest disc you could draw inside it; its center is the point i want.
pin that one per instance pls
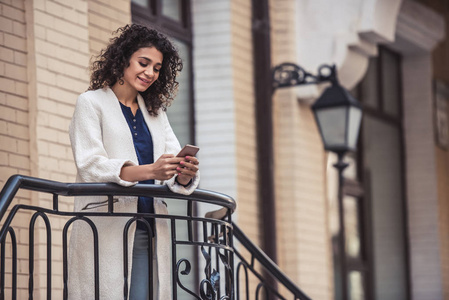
(354, 118)
(172, 9)
(332, 122)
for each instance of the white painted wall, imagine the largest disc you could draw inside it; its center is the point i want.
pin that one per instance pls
(345, 33)
(214, 102)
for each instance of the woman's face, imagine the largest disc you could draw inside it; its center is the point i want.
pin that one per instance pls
(143, 70)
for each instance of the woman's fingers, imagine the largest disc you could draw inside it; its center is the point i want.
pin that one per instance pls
(186, 172)
(166, 166)
(188, 166)
(192, 160)
(183, 166)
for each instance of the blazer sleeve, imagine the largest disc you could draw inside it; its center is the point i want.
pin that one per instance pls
(172, 147)
(90, 156)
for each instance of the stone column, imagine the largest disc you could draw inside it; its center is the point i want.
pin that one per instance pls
(418, 32)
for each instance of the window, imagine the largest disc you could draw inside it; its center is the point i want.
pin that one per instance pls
(381, 172)
(374, 216)
(172, 17)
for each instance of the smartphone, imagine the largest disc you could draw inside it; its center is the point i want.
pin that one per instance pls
(190, 150)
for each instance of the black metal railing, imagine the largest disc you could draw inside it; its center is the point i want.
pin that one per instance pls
(215, 268)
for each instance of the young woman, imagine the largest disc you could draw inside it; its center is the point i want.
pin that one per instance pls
(120, 133)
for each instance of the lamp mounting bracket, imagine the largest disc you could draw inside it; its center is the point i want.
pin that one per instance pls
(290, 74)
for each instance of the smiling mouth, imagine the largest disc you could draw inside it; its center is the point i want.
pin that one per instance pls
(144, 80)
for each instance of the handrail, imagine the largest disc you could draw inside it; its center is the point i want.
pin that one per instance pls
(217, 252)
(267, 263)
(216, 244)
(17, 182)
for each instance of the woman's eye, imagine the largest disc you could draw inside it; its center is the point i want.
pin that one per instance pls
(143, 65)
(157, 70)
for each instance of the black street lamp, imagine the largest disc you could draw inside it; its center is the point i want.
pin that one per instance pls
(338, 116)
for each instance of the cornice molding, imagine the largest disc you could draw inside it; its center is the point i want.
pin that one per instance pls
(348, 41)
(405, 26)
(419, 29)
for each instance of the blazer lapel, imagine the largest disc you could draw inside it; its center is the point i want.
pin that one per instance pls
(114, 112)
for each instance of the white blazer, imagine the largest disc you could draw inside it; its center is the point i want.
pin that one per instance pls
(102, 144)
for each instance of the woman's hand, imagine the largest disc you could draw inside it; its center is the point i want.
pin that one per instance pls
(187, 169)
(163, 169)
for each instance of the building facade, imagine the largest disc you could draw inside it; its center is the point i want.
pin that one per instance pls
(392, 55)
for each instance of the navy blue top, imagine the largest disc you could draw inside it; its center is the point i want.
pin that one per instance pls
(143, 143)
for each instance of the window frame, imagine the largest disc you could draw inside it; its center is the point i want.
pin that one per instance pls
(152, 16)
(182, 31)
(359, 188)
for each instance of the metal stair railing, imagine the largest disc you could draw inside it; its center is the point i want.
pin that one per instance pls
(210, 273)
(270, 281)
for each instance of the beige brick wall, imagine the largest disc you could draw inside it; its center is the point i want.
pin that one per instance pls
(302, 216)
(105, 16)
(57, 67)
(284, 106)
(14, 121)
(246, 149)
(37, 96)
(14, 134)
(249, 214)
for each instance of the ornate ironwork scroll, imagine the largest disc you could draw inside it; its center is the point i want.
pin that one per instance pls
(290, 74)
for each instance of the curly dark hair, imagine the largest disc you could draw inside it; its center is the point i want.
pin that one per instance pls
(109, 66)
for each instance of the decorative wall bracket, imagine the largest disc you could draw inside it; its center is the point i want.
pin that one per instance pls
(290, 74)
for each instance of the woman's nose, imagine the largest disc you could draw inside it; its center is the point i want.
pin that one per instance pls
(149, 72)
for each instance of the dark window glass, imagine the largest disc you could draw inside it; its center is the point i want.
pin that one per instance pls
(390, 65)
(171, 16)
(369, 87)
(382, 161)
(160, 14)
(172, 9)
(381, 166)
(179, 113)
(374, 201)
